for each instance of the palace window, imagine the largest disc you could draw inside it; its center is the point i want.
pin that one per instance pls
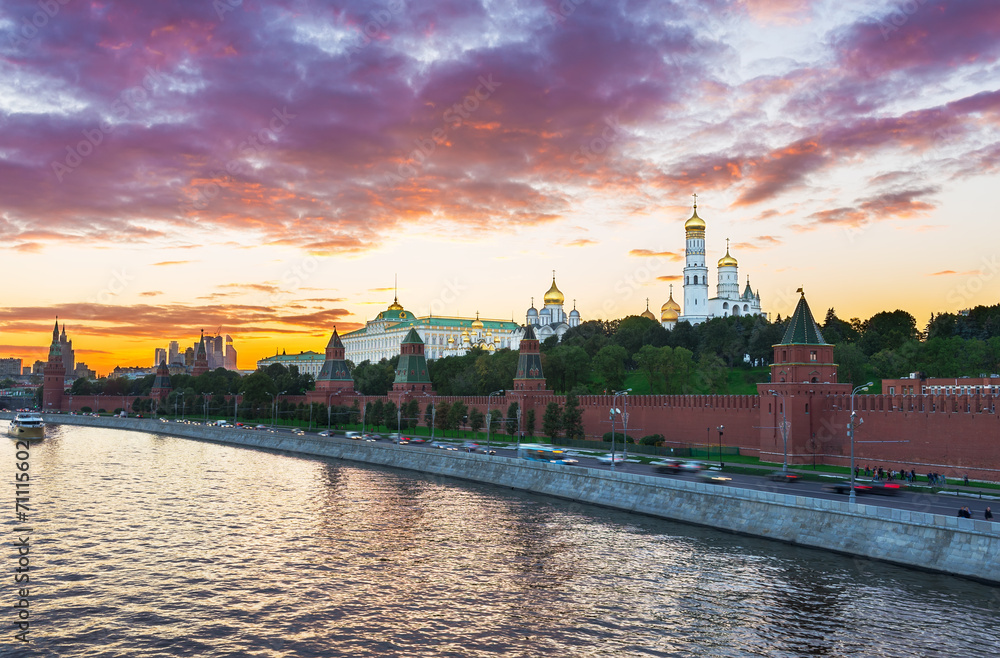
(812, 355)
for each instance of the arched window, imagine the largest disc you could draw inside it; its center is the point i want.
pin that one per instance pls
(695, 279)
(725, 305)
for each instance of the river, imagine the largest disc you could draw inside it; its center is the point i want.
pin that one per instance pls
(149, 545)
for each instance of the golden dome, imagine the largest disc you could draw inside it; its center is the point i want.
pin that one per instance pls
(394, 306)
(477, 323)
(553, 296)
(451, 340)
(671, 309)
(727, 260)
(647, 313)
(696, 223)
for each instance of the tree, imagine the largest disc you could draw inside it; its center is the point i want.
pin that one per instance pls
(411, 413)
(852, 366)
(529, 423)
(572, 418)
(649, 361)
(441, 419)
(552, 420)
(389, 415)
(429, 414)
(375, 412)
(476, 420)
(610, 366)
(457, 414)
(511, 425)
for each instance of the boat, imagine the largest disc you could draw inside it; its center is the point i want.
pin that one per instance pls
(27, 426)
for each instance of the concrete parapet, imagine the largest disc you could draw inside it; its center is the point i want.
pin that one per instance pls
(964, 547)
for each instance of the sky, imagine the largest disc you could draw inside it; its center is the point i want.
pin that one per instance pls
(269, 169)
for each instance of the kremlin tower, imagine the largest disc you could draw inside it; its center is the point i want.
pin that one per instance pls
(335, 377)
(54, 379)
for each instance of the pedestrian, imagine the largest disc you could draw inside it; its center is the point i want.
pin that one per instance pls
(988, 514)
(966, 479)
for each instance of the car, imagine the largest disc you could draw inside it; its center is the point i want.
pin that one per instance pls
(353, 435)
(609, 458)
(375, 437)
(844, 487)
(325, 433)
(295, 431)
(260, 427)
(395, 436)
(667, 466)
(415, 439)
(712, 477)
(886, 488)
(782, 476)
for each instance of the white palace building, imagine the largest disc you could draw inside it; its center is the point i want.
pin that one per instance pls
(380, 338)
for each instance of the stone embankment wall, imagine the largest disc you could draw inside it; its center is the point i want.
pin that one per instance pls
(965, 547)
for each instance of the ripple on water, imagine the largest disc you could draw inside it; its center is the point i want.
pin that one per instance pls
(156, 546)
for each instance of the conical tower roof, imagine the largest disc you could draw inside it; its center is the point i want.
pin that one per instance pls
(335, 340)
(412, 338)
(529, 333)
(802, 328)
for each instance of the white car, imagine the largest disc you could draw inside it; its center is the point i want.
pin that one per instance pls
(609, 458)
(325, 433)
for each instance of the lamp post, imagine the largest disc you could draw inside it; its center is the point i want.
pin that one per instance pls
(784, 429)
(181, 393)
(850, 431)
(489, 417)
(329, 405)
(614, 412)
(720, 428)
(624, 395)
(519, 427)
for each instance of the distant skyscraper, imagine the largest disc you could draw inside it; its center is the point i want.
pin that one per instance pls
(230, 354)
(159, 356)
(68, 355)
(173, 353)
(189, 356)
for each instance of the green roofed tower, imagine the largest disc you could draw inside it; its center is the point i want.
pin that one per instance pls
(803, 356)
(411, 372)
(335, 375)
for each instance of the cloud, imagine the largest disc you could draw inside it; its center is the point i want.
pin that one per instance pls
(649, 253)
(953, 272)
(151, 293)
(759, 242)
(166, 263)
(580, 242)
(670, 277)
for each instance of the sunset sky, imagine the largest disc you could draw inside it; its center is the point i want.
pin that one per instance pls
(268, 167)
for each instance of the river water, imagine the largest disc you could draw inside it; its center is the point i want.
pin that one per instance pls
(148, 545)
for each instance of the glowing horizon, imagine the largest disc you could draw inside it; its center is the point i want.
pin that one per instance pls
(163, 172)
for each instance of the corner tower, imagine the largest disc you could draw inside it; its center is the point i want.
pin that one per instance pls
(803, 356)
(161, 383)
(200, 358)
(528, 376)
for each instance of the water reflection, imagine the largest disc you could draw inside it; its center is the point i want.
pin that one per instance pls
(163, 546)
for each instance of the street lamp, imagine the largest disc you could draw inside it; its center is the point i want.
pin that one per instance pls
(181, 393)
(489, 418)
(274, 406)
(614, 411)
(624, 395)
(720, 428)
(850, 431)
(329, 404)
(784, 429)
(519, 427)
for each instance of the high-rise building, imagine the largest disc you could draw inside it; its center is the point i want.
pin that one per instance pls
(10, 367)
(230, 354)
(159, 356)
(174, 353)
(189, 356)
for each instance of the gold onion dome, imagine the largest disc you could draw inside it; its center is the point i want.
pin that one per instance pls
(647, 313)
(671, 309)
(395, 306)
(696, 223)
(727, 260)
(554, 296)
(477, 323)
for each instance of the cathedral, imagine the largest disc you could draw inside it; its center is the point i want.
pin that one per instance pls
(552, 320)
(698, 306)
